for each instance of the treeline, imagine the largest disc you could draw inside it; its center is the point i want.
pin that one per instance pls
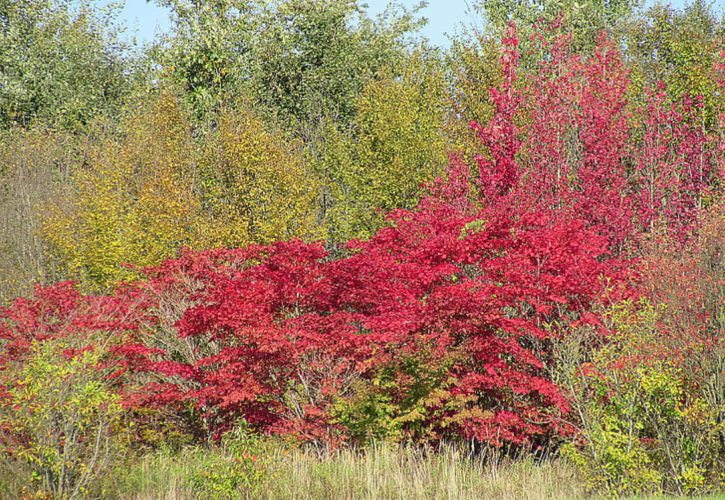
(252, 121)
(287, 219)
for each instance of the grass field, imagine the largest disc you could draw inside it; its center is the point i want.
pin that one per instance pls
(380, 472)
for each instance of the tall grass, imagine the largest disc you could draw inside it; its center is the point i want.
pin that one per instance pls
(408, 473)
(380, 472)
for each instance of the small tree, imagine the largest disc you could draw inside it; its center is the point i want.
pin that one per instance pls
(58, 417)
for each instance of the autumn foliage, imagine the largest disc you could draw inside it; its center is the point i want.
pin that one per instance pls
(448, 322)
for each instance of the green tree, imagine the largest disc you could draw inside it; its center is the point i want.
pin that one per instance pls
(680, 48)
(473, 70)
(207, 54)
(583, 19)
(60, 62)
(396, 144)
(314, 57)
(299, 61)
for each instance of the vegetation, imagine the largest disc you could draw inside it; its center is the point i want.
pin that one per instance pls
(62, 63)
(382, 471)
(291, 251)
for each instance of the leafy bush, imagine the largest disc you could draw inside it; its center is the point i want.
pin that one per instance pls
(238, 469)
(645, 428)
(59, 419)
(395, 145)
(152, 188)
(417, 295)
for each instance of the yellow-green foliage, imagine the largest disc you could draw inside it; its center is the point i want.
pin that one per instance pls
(399, 405)
(133, 203)
(58, 423)
(257, 187)
(475, 69)
(155, 188)
(646, 428)
(680, 48)
(397, 144)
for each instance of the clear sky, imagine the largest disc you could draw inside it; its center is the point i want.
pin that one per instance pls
(145, 18)
(444, 16)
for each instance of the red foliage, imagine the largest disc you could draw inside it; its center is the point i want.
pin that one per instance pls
(567, 138)
(501, 173)
(475, 287)
(60, 311)
(675, 167)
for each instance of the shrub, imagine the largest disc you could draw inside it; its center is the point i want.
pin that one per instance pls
(438, 317)
(395, 145)
(152, 188)
(237, 469)
(645, 427)
(59, 418)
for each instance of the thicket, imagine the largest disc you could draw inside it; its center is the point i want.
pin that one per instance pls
(296, 222)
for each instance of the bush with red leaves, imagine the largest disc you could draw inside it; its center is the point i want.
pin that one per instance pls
(438, 326)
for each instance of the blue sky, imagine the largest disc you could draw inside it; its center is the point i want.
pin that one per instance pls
(144, 18)
(444, 16)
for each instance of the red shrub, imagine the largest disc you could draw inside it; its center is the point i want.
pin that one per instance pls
(477, 291)
(467, 288)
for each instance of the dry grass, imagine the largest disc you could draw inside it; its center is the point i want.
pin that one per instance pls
(381, 472)
(404, 473)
